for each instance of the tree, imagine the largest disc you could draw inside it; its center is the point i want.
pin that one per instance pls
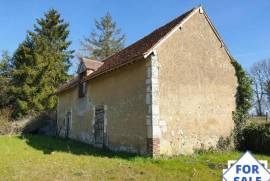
(5, 77)
(243, 102)
(106, 40)
(244, 89)
(41, 64)
(260, 76)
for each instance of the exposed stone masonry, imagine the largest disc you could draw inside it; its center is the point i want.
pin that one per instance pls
(152, 102)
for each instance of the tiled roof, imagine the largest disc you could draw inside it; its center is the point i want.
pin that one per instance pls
(69, 84)
(136, 49)
(91, 64)
(140, 47)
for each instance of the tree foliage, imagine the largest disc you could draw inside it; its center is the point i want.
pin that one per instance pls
(105, 40)
(244, 90)
(256, 138)
(5, 77)
(41, 64)
(243, 102)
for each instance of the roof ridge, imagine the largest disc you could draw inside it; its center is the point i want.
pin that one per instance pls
(187, 13)
(140, 47)
(162, 26)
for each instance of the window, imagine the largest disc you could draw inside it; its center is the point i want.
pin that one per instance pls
(82, 85)
(82, 89)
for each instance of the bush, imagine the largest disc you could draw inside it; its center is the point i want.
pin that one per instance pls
(5, 122)
(244, 89)
(243, 102)
(42, 123)
(240, 118)
(225, 144)
(5, 127)
(256, 137)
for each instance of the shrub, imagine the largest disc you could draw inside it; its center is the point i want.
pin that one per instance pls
(43, 123)
(5, 127)
(256, 137)
(244, 89)
(243, 102)
(225, 144)
(240, 118)
(5, 122)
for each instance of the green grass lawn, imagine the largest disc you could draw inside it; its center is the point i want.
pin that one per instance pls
(44, 158)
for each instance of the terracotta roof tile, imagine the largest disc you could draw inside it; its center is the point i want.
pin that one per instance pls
(92, 64)
(135, 50)
(69, 84)
(140, 47)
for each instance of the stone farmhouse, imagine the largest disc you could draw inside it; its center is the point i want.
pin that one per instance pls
(169, 93)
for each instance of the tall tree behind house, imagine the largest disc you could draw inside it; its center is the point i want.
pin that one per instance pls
(105, 40)
(41, 64)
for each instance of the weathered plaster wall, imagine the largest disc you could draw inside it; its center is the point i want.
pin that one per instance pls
(123, 92)
(197, 87)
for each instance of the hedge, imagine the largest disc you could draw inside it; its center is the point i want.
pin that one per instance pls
(256, 138)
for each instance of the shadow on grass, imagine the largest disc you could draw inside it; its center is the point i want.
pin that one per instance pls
(55, 144)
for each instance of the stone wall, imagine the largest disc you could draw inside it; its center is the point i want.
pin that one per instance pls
(197, 87)
(122, 92)
(152, 102)
(178, 100)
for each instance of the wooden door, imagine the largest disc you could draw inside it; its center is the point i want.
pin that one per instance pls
(68, 122)
(99, 125)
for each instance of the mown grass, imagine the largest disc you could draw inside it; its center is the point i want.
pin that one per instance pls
(36, 157)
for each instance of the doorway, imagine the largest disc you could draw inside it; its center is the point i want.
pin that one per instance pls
(68, 124)
(99, 125)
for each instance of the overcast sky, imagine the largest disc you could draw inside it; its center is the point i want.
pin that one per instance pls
(243, 24)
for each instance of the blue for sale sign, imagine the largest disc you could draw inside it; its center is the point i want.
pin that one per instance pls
(247, 168)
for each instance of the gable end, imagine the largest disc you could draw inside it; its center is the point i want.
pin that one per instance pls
(180, 26)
